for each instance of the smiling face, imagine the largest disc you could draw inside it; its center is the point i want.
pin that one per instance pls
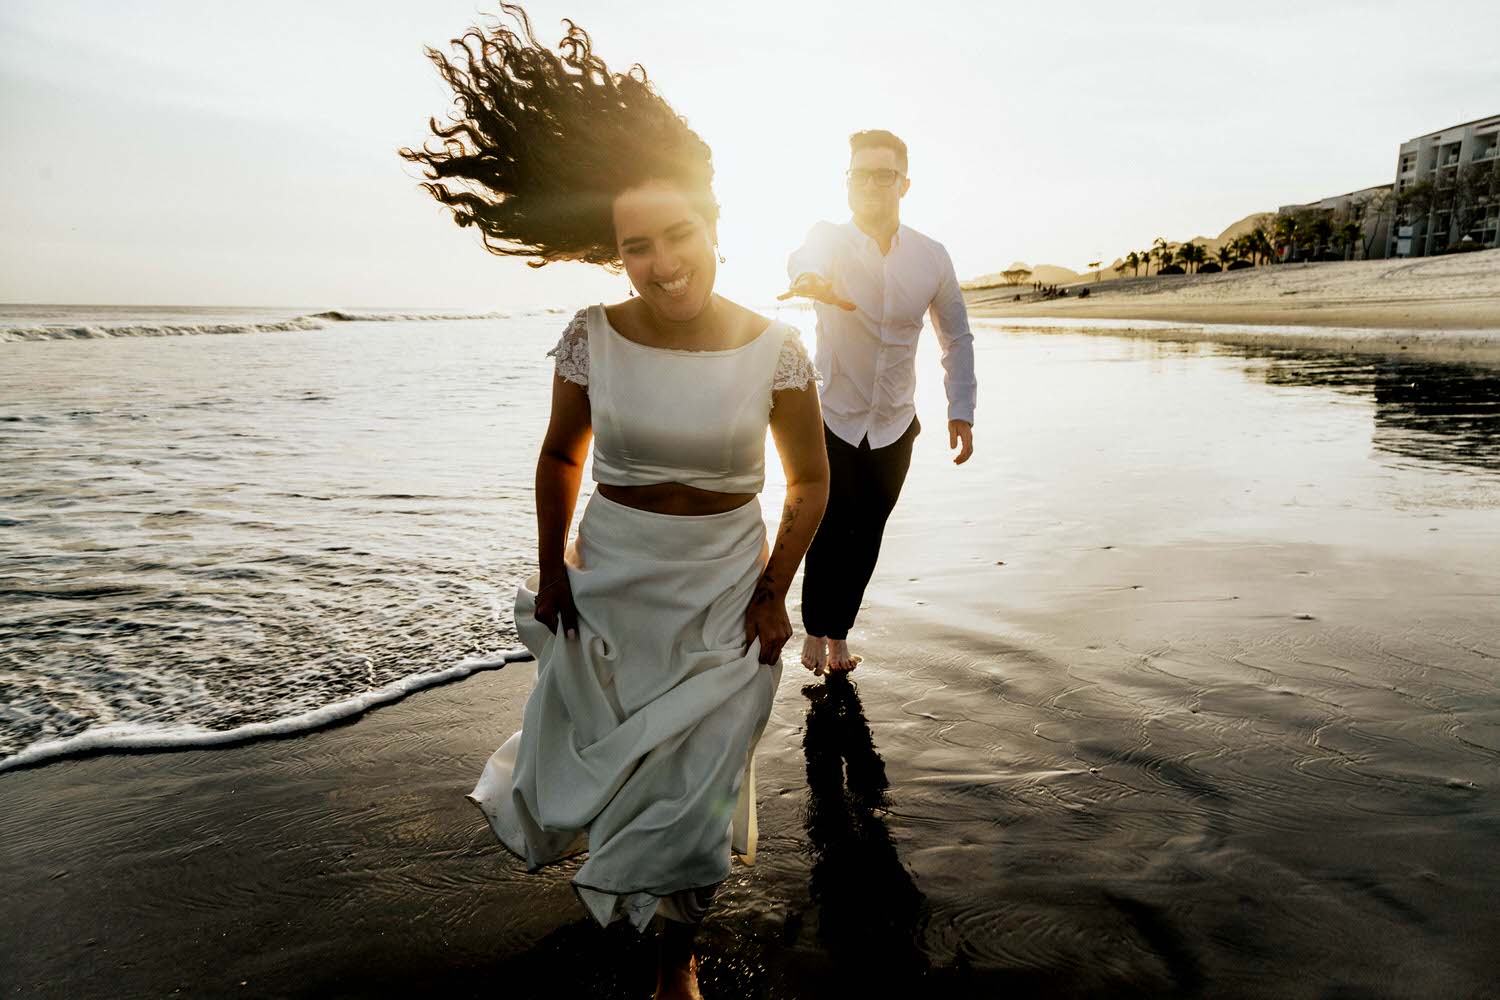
(871, 203)
(667, 248)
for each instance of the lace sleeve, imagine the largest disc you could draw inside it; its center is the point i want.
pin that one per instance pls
(794, 369)
(572, 351)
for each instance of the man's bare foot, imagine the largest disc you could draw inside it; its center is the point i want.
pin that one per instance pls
(678, 982)
(840, 660)
(815, 654)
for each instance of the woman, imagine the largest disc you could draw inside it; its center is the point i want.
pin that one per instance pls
(658, 631)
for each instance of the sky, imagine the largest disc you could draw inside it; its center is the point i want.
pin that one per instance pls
(199, 152)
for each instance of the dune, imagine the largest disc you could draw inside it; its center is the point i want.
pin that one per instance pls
(1047, 274)
(1052, 274)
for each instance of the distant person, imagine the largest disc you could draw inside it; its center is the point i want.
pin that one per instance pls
(872, 280)
(658, 631)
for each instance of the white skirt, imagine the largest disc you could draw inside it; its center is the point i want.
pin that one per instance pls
(637, 743)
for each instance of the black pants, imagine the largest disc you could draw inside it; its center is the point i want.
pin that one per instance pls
(863, 486)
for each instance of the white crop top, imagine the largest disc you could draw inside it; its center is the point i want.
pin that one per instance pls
(670, 416)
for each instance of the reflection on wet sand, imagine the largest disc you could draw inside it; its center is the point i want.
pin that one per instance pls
(1426, 410)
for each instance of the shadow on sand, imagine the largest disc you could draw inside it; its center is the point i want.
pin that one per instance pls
(867, 904)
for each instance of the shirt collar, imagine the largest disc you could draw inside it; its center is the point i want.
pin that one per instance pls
(870, 240)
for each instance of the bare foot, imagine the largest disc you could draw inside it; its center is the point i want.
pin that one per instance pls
(678, 982)
(815, 654)
(840, 660)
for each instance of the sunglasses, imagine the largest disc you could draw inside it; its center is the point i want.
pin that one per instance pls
(858, 177)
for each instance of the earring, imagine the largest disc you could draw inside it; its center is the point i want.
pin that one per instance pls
(721, 257)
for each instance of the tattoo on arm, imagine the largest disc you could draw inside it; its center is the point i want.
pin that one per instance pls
(767, 584)
(789, 512)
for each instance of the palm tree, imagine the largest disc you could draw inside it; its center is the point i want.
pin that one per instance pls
(1287, 232)
(1190, 255)
(1161, 252)
(1133, 261)
(1094, 266)
(1261, 246)
(1228, 253)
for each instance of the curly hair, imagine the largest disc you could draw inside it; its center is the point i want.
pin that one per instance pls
(540, 143)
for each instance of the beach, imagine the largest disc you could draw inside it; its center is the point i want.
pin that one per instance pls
(1440, 307)
(1184, 686)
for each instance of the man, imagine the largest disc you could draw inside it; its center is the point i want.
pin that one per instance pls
(871, 280)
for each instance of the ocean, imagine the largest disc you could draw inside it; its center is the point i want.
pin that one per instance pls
(1185, 684)
(221, 523)
(207, 537)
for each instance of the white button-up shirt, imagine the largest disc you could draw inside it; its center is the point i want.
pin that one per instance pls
(868, 357)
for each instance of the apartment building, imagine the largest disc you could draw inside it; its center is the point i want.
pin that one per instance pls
(1437, 159)
(1370, 207)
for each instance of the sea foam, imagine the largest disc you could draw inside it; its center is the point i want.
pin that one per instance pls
(311, 321)
(138, 736)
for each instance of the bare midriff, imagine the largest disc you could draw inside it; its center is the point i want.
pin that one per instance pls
(674, 498)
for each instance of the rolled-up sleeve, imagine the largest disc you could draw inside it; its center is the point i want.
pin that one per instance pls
(950, 320)
(815, 255)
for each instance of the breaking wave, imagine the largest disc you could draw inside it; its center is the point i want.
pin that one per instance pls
(312, 321)
(164, 736)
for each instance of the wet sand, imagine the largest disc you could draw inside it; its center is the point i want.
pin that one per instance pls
(1185, 687)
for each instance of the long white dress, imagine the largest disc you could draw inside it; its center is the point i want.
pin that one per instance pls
(637, 742)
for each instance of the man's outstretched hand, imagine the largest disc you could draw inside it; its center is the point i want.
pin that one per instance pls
(961, 432)
(817, 288)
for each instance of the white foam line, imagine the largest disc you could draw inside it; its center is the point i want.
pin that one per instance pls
(134, 736)
(312, 321)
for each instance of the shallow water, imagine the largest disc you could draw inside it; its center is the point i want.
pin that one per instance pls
(199, 533)
(212, 531)
(1186, 685)
(1192, 686)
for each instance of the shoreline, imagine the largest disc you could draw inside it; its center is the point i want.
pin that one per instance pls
(1446, 307)
(1478, 346)
(126, 737)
